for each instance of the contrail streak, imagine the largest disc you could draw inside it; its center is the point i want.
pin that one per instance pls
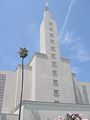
(67, 16)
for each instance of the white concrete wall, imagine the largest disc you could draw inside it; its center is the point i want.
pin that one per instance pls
(8, 117)
(26, 83)
(75, 85)
(66, 83)
(50, 111)
(42, 38)
(9, 92)
(88, 90)
(33, 81)
(87, 84)
(43, 80)
(45, 44)
(64, 75)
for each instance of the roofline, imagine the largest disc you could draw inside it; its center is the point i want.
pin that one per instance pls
(37, 54)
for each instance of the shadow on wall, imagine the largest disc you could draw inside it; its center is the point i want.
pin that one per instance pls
(3, 117)
(33, 115)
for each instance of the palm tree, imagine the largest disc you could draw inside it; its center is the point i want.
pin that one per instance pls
(23, 53)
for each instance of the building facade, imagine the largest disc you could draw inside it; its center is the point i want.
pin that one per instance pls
(47, 77)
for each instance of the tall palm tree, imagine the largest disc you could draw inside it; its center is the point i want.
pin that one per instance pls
(23, 53)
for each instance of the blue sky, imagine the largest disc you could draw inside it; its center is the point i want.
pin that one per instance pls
(19, 27)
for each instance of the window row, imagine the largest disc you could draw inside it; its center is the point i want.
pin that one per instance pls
(54, 72)
(50, 23)
(55, 83)
(54, 64)
(1, 93)
(1, 85)
(53, 48)
(2, 75)
(53, 56)
(51, 35)
(2, 78)
(2, 81)
(1, 96)
(52, 41)
(56, 93)
(51, 29)
(56, 101)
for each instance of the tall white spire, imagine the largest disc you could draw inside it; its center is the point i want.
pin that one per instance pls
(48, 34)
(46, 3)
(46, 6)
(47, 12)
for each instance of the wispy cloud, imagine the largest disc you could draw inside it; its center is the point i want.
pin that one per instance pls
(82, 54)
(67, 16)
(66, 38)
(75, 44)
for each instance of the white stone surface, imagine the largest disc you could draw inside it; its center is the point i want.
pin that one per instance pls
(8, 117)
(9, 92)
(45, 110)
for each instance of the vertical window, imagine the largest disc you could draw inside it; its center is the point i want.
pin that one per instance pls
(56, 93)
(54, 73)
(52, 41)
(2, 84)
(52, 48)
(55, 82)
(51, 29)
(54, 64)
(50, 23)
(56, 101)
(85, 94)
(53, 56)
(52, 35)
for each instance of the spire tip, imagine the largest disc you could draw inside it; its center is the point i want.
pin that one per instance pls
(46, 3)
(46, 6)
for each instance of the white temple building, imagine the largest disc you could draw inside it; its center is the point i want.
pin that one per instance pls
(50, 87)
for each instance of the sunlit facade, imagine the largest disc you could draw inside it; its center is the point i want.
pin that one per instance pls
(50, 87)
